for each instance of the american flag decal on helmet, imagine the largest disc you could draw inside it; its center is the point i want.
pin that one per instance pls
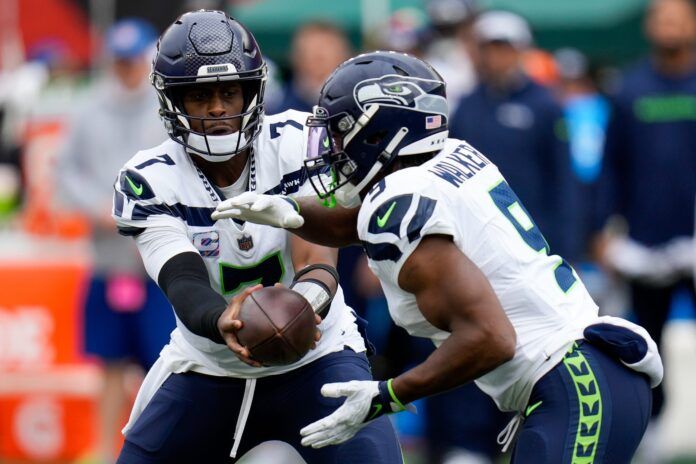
(433, 122)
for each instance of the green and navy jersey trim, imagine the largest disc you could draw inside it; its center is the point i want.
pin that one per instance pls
(424, 211)
(164, 159)
(289, 183)
(382, 251)
(192, 215)
(134, 185)
(389, 217)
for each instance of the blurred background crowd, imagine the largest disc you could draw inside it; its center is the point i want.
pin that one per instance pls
(588, 108)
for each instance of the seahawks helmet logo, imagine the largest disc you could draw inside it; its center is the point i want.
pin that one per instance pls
(401, 91)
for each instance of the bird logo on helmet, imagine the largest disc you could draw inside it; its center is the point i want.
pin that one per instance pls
(395, 90)
(372, 109)
(200, 48)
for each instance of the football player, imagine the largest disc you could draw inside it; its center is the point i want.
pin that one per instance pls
(206, 399)
(461, 262)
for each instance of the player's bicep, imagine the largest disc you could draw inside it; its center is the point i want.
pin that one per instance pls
(451, 291)
(305, 253)
(158, 244)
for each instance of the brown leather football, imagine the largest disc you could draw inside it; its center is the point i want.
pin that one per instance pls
(278, 326)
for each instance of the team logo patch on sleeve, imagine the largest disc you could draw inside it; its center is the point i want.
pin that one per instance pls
(389, 215)
(134, 186)
(207, 243)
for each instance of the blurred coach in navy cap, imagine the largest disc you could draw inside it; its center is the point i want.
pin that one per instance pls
(519, 126)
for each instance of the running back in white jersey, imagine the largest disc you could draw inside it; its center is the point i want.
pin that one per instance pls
(165, 202)
(462, 194)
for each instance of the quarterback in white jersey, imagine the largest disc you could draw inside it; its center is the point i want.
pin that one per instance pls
(208, 399)
(461, 262)
(164, 198)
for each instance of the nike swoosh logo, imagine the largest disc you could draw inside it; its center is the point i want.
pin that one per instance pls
(381, 221)
(325, 142)
(378, 408)
(532, 408)
(137, 189)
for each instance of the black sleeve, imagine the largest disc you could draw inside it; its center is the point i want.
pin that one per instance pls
(184, 279)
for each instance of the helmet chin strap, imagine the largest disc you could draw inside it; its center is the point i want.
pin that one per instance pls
(348, 195)
(216, 148)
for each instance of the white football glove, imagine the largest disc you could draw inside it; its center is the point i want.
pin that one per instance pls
(366, 400)
(270, 210)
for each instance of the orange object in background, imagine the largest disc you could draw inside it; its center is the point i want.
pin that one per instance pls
(40, 314)
(48, 390)
(41, 215)
(540, 66)
(47, 416)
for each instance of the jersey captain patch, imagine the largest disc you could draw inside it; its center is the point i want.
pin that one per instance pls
(207, 244)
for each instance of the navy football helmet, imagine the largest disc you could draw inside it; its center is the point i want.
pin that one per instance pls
(201, 47)
(373, 108)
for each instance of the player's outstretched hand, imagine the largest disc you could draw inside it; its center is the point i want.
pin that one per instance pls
(271, 210)
(350, 417)
(366, 400)
(228, 325)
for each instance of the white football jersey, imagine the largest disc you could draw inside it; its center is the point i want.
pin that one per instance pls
(462, 194)
(165, 201)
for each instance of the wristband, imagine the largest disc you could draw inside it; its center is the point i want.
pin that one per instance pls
(314, 291)
(385, 402)
(293, 202)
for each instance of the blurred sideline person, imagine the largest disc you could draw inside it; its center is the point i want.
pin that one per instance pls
(127, 318)
(519, 125)
(205, 399)
(647, 184)
(317, 48)
(513, 120)
(462, 263)
(586, 112)
(451, 47)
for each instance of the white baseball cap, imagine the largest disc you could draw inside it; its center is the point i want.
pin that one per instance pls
(503, 26)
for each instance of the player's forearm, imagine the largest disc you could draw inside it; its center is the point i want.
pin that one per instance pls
(463, 357)
(334, 227)
(184, 280)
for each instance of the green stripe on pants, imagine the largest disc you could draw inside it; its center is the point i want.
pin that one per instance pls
(589, 406)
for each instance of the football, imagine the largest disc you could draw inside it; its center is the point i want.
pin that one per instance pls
(278, 326)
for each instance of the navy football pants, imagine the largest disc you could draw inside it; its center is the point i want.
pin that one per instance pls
(590, 408)
(192, 417)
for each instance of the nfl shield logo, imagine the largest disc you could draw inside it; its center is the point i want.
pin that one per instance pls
(245, 243)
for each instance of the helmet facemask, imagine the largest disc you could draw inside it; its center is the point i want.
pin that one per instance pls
(205, 143)
(335, 176)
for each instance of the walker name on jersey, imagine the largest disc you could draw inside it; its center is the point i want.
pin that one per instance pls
(461, 164)
(207, 244)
